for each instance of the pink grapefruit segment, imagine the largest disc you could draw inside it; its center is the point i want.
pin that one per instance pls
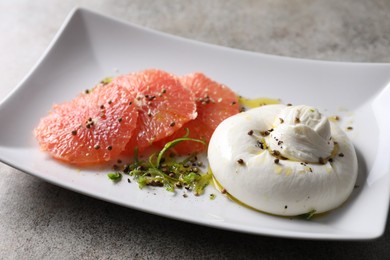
(93, 128)
(215, 102)
(164, 105)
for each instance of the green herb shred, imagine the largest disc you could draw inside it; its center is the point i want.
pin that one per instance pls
(115, 176)
(163, 170)
(106, 80)
(309, 214)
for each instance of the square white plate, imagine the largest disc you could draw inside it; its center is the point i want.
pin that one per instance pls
(90, 47)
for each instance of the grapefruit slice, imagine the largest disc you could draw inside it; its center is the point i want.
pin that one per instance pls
(215, 102)
(93, 128)
(164, 105)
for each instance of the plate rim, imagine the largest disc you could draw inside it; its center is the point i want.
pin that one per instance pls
(54, 41)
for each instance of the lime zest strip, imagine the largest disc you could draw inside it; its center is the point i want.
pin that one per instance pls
(162, 170)
(172, 143)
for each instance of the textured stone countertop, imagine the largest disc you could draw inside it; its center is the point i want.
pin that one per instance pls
(41, 221)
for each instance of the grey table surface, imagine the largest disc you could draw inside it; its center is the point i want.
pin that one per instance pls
(41, 221)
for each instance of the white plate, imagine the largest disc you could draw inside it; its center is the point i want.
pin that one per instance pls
(90, 47)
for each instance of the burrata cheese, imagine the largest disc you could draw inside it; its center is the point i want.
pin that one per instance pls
(283, 160)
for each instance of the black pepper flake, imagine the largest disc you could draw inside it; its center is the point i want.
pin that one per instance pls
(281, 120)
(223, 191)
(330, 160)
(321, 160)
(276, 160)
(74, 132)
(102, 107)
(241, 161)
(130, 103)
(120, 119)
(285, 207)
(264, 133)
(233, 103)
(109, 102)
(185, 195)
(250, 132)
(280, 142)
(128, 180)
(109, 147)
(172, 124)
(341, 154)
(297, 120)
(86, 91)
(276, 152)
(150, 98)
(96, 147)
(349, 128)
(289, 104)
(126, 169)
(260, 145)
(206, 100)
(156, 183)
(89, 123)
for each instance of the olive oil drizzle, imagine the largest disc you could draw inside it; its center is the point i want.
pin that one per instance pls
(256, 102)
(309, 215)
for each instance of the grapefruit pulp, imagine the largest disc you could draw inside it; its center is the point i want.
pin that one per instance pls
(163, 105)
(92, 128)
(214, 101)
